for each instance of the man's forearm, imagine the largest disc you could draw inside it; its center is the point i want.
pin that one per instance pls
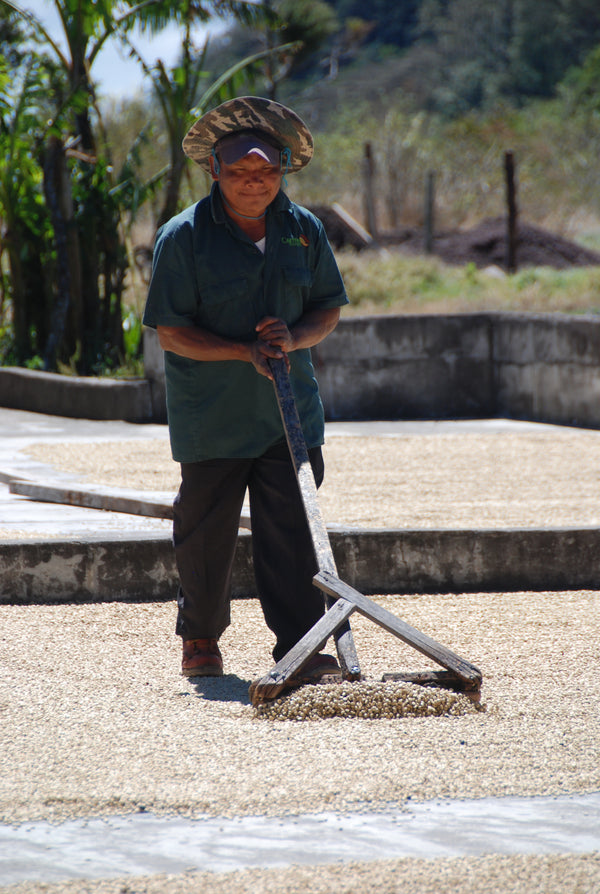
(196, 343)
(200, 344)
(309, 330)
(314, 326)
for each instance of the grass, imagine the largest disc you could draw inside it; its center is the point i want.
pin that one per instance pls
(385, 281)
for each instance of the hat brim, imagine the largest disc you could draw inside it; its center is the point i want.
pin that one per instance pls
(250, 113)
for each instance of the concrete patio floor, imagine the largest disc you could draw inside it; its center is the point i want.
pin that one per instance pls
(98, 726)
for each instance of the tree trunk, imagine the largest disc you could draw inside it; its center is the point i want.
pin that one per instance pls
(91, 344)
(171, 202)
(68, 300)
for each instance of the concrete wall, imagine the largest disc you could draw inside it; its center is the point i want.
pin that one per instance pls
(122, 568)
(407, 367)
(126, 568)
(76, 396)
(154, 367)
(541, 367)
(547, 367)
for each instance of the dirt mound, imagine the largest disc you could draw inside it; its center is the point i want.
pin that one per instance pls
(485, 245)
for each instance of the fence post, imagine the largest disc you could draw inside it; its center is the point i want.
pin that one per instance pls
(429, 211)
(369, 180)
(511, 202)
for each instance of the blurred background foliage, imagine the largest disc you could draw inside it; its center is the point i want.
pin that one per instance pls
(431, 85)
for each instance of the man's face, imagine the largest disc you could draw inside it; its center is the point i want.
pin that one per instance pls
(249, 185)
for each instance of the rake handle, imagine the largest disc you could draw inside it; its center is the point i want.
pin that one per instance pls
(308, 491)
(299, 453)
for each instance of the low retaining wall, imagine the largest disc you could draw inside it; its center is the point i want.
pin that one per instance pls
(407, 367)
(536, 367)
(539, 367)
(128, 569)
(547, 368)
(76, 396)
(154, 367)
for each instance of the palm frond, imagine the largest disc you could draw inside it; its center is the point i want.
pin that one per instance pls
(215, 88)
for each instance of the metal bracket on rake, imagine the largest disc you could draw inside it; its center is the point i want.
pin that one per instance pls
(341, 600)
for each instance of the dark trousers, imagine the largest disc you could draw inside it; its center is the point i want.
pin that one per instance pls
(205, 529)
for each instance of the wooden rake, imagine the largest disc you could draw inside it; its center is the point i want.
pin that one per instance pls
(341, 600)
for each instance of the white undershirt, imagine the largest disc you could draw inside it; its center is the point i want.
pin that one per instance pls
(261, 244)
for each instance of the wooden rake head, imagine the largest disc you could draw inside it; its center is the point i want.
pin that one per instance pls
(341, 600)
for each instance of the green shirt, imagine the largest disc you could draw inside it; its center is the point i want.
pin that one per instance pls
(208, 273)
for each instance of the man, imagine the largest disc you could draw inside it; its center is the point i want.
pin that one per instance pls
(240, 277)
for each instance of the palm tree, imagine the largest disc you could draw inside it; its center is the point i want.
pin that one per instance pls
(76, 184)
(24, 232)
(79, 186)
(82, 198)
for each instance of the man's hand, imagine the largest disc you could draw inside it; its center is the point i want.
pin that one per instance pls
(274, 340)
(275, 332)
(260, 352)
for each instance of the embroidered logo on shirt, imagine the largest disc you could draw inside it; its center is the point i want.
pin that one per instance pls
(296, 241)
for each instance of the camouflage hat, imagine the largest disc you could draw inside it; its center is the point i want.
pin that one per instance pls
(250, 113)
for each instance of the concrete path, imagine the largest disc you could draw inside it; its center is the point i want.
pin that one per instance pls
(115, 847)
(22, 517)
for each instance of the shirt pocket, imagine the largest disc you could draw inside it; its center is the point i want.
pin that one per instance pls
(226, 308)
(298, 282)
